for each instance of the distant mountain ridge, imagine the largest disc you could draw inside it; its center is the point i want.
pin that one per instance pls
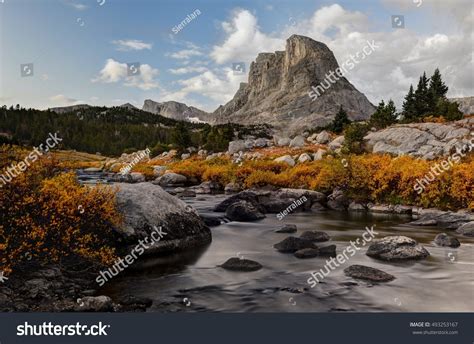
(65, 109)
(175, 110)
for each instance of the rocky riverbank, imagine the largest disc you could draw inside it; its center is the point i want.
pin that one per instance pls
(72, 287)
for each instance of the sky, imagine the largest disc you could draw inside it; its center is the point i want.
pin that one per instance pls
(67, 52)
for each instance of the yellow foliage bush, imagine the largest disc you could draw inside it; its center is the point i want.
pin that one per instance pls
(190, 167)
(222, 174)
(46, 216)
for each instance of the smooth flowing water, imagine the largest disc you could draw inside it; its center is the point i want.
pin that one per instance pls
(192, 281)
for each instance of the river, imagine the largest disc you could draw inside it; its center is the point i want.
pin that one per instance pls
(192, 281)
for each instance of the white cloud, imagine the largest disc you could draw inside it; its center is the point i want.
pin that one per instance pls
(187, 70)
(218, 86)
(115, 71)
(185, 54)
(131, 44)
(78, 6)
(213, 85)
(63, 100)
(244, 40)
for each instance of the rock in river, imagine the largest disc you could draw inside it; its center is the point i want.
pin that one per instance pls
(466, 229)
(329, 251)
(275, 201)
(367, 273)
(397, 248)
(442, 239)
(443, 219)
(293, 244)
(307, 253)
(315, 236)
(243, 211)
(289, 228)
(237, 264)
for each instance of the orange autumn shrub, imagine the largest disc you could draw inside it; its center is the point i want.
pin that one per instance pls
(331, 174)
(299, 176)
(259, 179)
(46, 217)
(222, 174)
(267, 165)
(369, 177)
(144, 169)
(191, 168)
(461, 189)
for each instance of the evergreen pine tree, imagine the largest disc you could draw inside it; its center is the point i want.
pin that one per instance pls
(384, 116)
(409, 110)
(437, 89)
(340, 121)
(181, 136)
(422, 98)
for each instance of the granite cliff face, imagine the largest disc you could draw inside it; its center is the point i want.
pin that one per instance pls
(175, 110)
(278, 87)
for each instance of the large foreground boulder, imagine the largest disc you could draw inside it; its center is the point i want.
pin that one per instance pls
(397, 248)
(147, 207)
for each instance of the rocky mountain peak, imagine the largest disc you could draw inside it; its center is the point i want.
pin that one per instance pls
(128, 106)
(278, 87)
